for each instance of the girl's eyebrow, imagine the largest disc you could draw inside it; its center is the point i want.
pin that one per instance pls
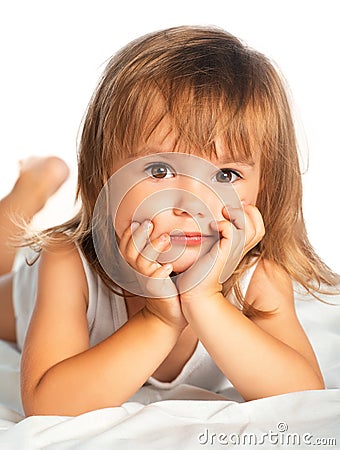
(240, 162)
(151, 151)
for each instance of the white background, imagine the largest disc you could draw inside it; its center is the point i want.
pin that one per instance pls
(53, 51)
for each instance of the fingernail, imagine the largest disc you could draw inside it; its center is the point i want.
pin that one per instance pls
(164, 237)
(134, 226)
(147, 224)
(227, 209)
(167, 268)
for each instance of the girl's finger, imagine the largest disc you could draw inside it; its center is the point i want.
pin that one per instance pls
(224, 227)
(162, 271)
(147, 258)
(137, 241)
(126, 236)
(255, 229)
(256, 218)
(236, 216)
(160, 285)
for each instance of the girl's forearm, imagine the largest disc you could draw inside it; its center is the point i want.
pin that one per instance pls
(258, 364)
(107, 374)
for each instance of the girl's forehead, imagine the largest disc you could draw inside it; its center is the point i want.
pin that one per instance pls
(165, 138)
(220, 157)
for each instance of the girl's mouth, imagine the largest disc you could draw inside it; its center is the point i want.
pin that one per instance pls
(187, 238)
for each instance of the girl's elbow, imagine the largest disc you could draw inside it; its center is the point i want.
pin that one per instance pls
(38, 402)
(28, 400)
(32, 405)
(31, 408)
(319, 384)
(314, 383)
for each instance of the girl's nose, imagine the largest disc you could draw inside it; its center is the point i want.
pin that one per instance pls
(192, 208)
(192, 199)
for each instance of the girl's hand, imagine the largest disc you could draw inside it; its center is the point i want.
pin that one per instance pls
(241, 230)
(158, 289)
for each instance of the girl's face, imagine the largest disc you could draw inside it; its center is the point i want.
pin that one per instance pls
(181, 193)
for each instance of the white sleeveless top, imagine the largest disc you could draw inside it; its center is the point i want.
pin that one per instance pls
(106, 314)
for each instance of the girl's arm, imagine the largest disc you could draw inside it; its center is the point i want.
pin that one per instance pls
(60, 374)
(261, 357)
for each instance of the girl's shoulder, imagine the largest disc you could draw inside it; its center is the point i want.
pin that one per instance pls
(60, 247)
(61, 264)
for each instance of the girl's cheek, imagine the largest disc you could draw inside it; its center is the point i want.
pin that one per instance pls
(120, 224)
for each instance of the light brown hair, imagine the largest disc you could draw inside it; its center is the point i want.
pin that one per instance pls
(212, 86)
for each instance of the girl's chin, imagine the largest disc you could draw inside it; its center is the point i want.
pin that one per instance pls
(180, 263)
(181, 266)
(184, 257)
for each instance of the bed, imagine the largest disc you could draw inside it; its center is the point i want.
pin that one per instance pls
(187, 417)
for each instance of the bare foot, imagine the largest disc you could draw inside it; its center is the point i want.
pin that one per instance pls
(38, 180)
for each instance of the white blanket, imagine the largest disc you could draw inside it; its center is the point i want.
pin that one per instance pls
(187, 417)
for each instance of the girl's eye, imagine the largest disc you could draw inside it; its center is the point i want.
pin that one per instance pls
(227, 176)
(159, 171)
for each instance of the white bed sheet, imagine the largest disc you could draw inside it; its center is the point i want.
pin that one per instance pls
(183, 418)
(188, 417)
(186, 424)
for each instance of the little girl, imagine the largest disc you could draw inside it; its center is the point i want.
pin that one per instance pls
(179, 266)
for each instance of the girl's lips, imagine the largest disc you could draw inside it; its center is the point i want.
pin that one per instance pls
(190, 239)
